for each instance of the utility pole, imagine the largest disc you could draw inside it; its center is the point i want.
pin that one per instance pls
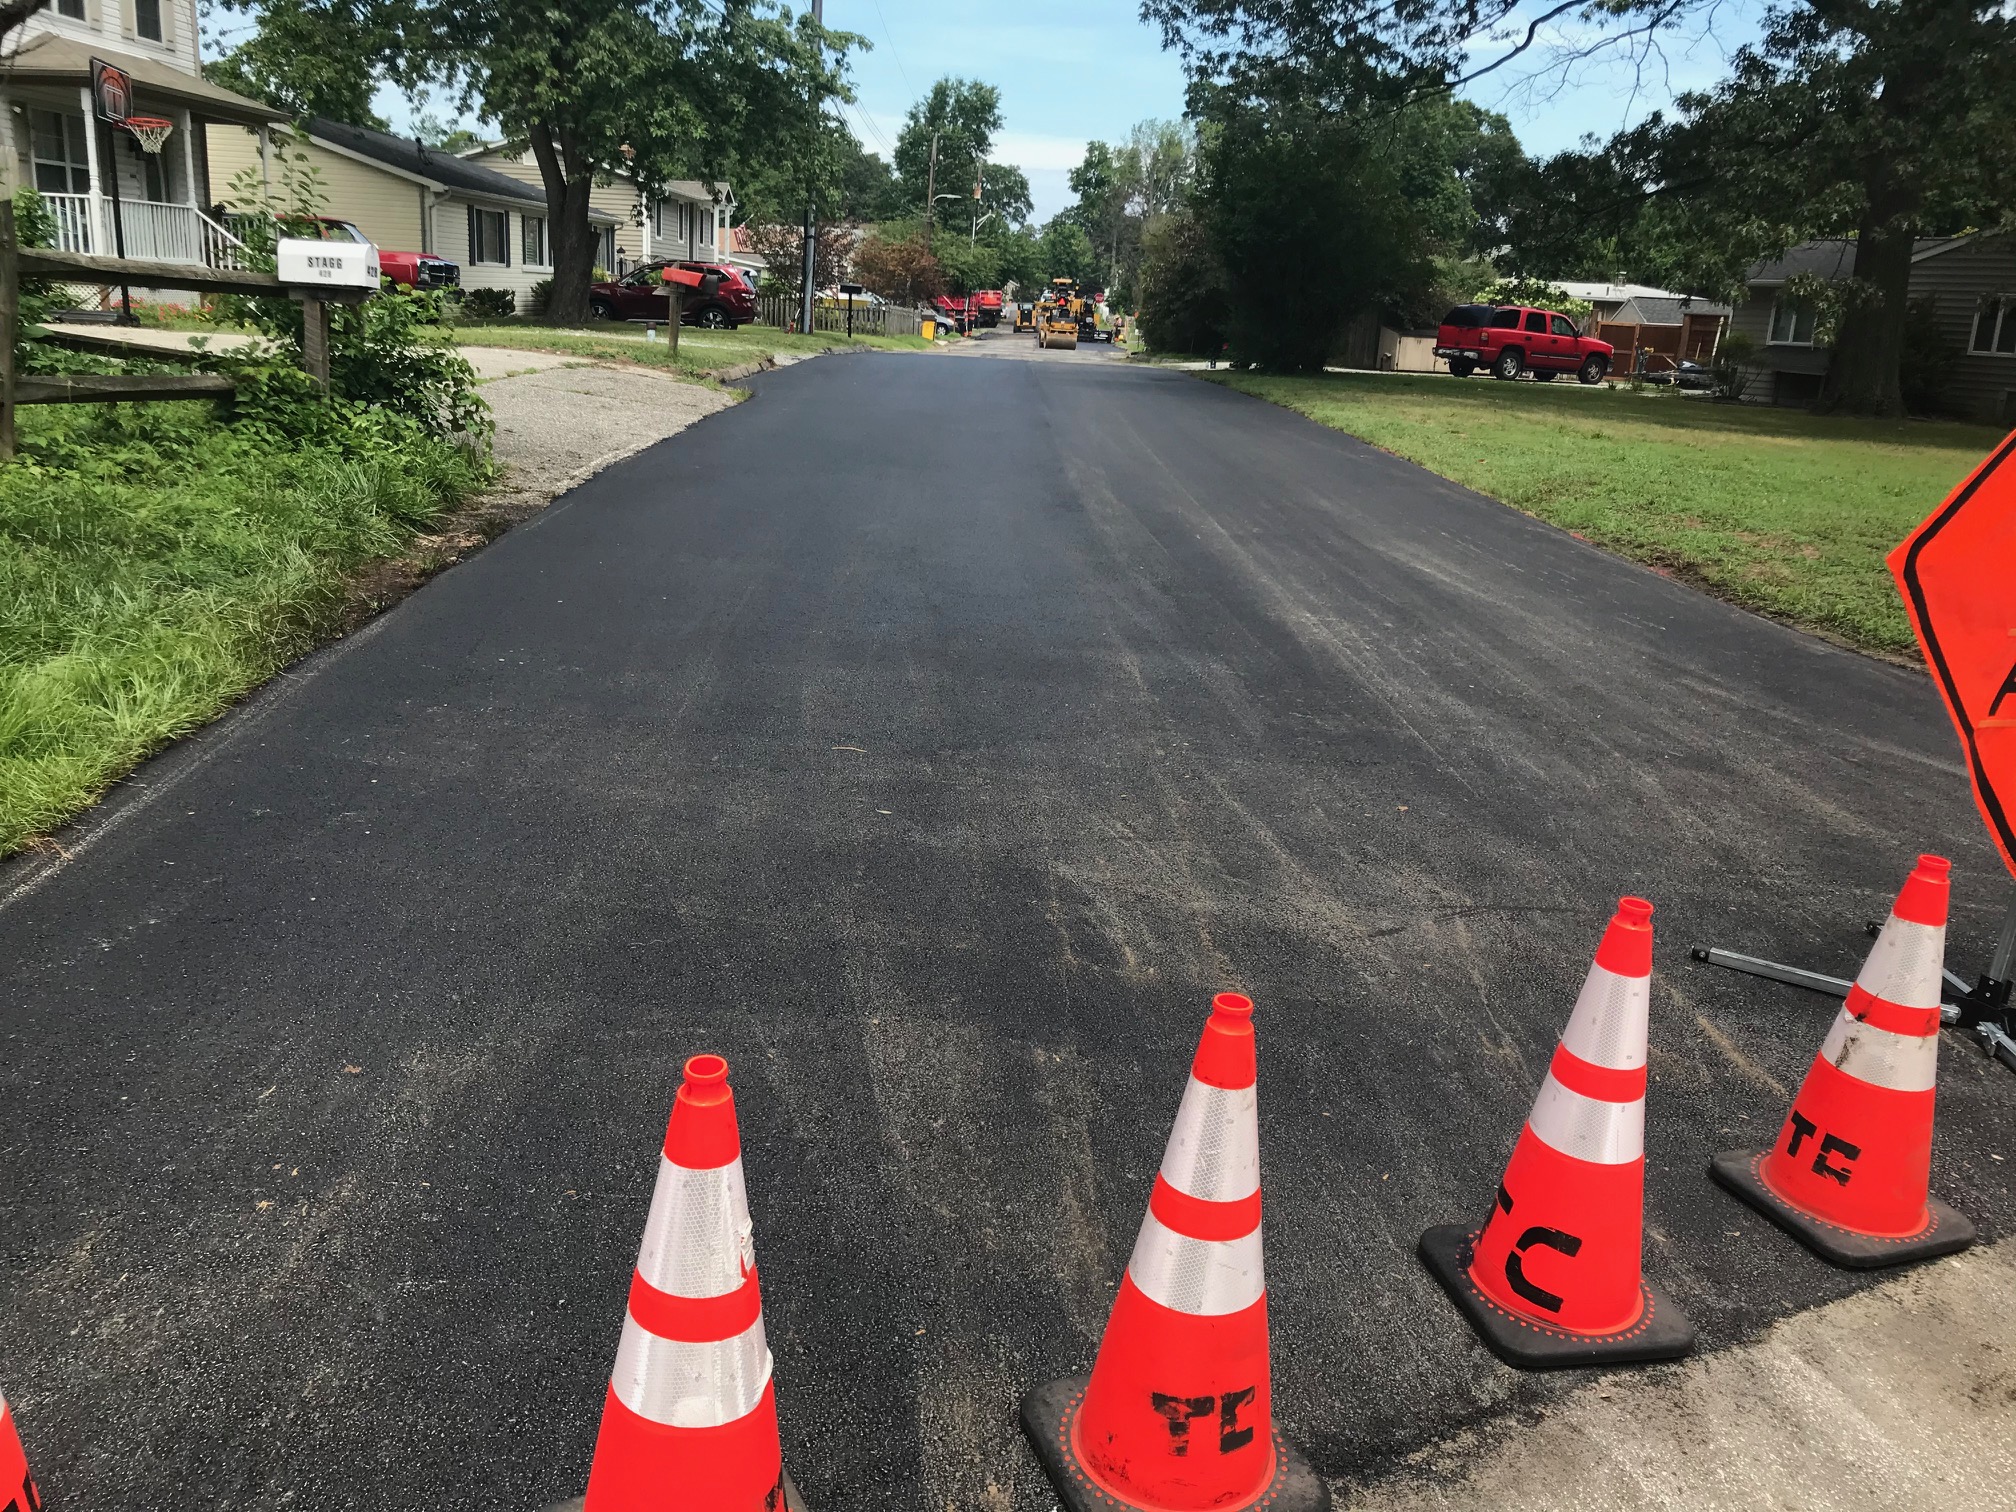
(931, 190)
(811, 232)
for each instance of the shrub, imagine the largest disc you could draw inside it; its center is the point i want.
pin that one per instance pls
(1925, 370)
(494, 304)
(1729, 372)
(538, 297)
(1182, 287)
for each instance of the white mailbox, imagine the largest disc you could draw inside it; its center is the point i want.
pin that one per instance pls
(340, 264)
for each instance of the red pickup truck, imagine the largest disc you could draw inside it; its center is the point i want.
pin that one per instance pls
(1512, 339)
(416, 270)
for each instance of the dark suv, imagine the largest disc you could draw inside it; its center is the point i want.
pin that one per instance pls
(1512, 339)
(725, 299)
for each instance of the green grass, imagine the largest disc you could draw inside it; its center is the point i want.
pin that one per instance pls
(1786, 513)
(700, 352)
(154, 568)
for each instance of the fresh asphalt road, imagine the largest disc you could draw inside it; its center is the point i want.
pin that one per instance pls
(938, 785)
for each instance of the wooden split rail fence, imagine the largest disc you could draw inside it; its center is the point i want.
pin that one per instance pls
(18, 262)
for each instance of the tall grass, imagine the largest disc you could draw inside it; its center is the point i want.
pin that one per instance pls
(153, 570)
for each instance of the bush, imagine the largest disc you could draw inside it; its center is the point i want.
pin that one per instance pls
(1925, 370)
(539, 297)
(1182, 287)
(1729, 373)
(494, 304)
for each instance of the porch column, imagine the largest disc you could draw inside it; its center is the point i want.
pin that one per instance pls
(187, 127)
(266, 162)
(95, 210)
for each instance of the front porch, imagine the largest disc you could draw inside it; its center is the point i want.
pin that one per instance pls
(160, 230)
(51, 141)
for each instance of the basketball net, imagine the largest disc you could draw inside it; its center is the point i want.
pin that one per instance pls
(150, 131)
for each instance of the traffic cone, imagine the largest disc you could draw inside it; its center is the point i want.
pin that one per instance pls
(1178, 1412)
(1850, 1176)
(690, 1419)
(16, 1484)
(1554, 1277)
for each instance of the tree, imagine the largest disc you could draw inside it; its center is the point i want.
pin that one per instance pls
(431, 131)
(963, 115)
(312, 57)
(1183, 303)
(1880, 120)
(1065, 251)
(650, 87)
(1004, 193)
(899, 267)
(1311, 217)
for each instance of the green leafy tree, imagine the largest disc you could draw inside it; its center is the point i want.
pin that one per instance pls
(312, 57)
(1065, 251)
(1879, 120)
(657, 88)
(1183, 300)
(963, 116)
(1311, 217)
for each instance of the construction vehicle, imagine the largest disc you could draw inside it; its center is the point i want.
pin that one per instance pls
(1059, 315)
(1025, 316)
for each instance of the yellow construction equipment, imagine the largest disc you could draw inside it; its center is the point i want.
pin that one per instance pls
(1058, 314)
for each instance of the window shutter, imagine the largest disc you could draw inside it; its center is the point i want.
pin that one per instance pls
(472, 234)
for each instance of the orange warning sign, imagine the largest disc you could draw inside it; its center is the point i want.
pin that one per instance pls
(1957, 572)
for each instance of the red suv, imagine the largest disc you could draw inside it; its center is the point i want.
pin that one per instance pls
(1511, 339)
(725, 299)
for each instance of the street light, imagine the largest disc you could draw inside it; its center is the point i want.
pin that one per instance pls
(973, 235)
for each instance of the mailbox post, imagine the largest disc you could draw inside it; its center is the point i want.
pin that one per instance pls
(307, 266)
(850, 290)
(677, 282)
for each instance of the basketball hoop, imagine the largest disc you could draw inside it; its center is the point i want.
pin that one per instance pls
(150, 131)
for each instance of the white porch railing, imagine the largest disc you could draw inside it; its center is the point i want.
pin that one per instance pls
(153, 230)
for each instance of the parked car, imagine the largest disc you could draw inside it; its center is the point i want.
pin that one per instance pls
(416, 270)
(725, 299)
(1513, 339)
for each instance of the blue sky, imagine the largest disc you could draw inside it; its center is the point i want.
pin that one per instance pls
(1114, 73)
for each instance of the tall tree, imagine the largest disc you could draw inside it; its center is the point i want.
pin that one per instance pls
(962, 115)
(651, 87)
(312, 57)
(1880, 120)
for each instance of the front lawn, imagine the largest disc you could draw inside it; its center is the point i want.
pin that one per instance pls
(700, 352)
(1783, 512)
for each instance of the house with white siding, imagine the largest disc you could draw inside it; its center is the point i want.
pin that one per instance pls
(683, 218)
(408, 197)
(52, 141)
(1968, 283)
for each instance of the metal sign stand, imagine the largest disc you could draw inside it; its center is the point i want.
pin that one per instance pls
(1984, 1008)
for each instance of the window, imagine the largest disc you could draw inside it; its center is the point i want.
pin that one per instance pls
(532, 241)
(489, 232)
(1563, 326)
(606, 248)
(1536, 323)
(1995, 327)
(147, 19)
(62, 157)
(1505, 320)
(74, 9)
(1791, 323)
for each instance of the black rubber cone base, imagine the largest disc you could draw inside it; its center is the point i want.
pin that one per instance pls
(1946, 1231)
(1047, 1413)
(1662, 1331)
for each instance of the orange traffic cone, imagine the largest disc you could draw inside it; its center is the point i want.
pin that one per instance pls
(1555, 1275)
(1850, 1176)
(16, 1484)
(1178, 1412)
(690, 1420)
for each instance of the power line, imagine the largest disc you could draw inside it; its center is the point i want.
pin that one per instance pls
(890, 37)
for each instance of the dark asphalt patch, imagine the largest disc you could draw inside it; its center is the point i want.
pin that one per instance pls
(938, 793)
